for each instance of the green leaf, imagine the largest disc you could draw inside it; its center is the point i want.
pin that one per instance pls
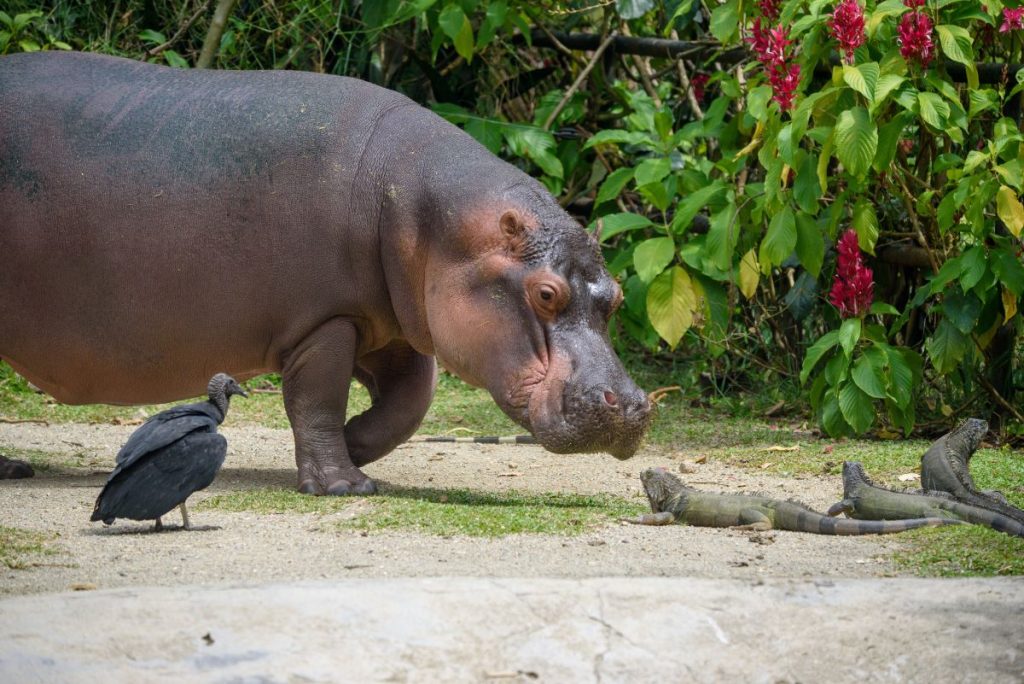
(1008, 268)
(487, 132)
(806, 190)
(883, 308)
(856, 140)
(888, 139)
(780, 240)
(725, 21)
(757, 101)
(694, 202)
(613, 224)
(933, 109)
(956, 43)
(947, 347)
(652, 170)
(652, 256)
(814, 353)
(868, 374)
(616, 136)
(863, 78)
(865, 222)
(886, 84)
(901, 384)
(972, 267)
(455, 24)
(856, 407)
(723, 235)
(961, 309)
(537, 145)
(671, 302)
(613, 185)
(810, 244)
(175, 60)
(849, 334)
(832, 417)
(151, 36)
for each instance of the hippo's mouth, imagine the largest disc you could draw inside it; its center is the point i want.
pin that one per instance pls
(567, 418)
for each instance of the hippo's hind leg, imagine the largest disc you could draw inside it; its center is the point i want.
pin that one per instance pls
(316, 375)
(401, 383)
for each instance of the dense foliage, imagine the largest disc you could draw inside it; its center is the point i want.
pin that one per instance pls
(721, 173)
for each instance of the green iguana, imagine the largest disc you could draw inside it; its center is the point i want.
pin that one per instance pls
(672, 501)
(945, 468)
(865, 501)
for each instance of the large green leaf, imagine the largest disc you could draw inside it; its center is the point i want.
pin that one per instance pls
(961, 309)
(613, 184)
(455, 24)
(947, 347)
(652, 170)
(652, 256)
(865, 222)
(671, 302)
(869, 374)
(933, 109)
(1008, 268)
(810, 244)
(780, 240)
(617, 136)
(972, 266)
(814, 353)
(956, 43)
(832, 417)
(613, 224)
(857, 407)
(863, 78)
(901, 378)
(725, 20)
(856, 140)
(806, 190)
(849, 334)
(633, 9)
(723, 235)
(694, 202)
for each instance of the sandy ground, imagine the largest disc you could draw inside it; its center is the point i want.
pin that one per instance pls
(251, 548)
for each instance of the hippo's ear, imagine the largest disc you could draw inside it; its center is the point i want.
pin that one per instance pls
(512, 224)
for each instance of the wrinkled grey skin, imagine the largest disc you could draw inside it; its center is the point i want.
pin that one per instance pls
(158, 224)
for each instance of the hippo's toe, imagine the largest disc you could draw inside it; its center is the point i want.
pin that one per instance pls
(310, 487)
(366, 487)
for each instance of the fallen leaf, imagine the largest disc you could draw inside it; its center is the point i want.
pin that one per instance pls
(767, 464)
(774, 409)
(908, 477)
(703, 458)
(795, 447)
(509, 474)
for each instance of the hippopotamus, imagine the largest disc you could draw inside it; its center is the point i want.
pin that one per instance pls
(160, 225)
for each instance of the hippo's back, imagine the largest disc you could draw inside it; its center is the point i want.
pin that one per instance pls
(159, 224)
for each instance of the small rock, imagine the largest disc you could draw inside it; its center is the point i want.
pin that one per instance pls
(687, 467)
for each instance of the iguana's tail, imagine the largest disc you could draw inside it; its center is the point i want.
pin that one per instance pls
(987, 517)
(850, 526)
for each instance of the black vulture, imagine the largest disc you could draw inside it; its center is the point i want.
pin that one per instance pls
(175, 453)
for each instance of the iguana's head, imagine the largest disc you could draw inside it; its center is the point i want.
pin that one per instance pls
(854, 474)
(969, 434)
(661, 486)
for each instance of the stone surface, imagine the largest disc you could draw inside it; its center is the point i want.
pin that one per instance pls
(555, 630)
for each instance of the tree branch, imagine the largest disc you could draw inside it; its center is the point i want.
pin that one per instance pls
(212, 42)
(153, 52)
(579, 81)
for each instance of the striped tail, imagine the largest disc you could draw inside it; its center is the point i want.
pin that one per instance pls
(850, 526)
(988, 518)
(490, 439)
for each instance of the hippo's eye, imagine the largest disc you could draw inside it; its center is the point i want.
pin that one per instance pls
(547, 297)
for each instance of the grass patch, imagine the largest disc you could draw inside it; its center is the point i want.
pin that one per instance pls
(19, 548)
(56, 462)
(446, 512)
(961, 550)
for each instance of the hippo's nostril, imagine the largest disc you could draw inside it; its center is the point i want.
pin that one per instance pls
(610, 398)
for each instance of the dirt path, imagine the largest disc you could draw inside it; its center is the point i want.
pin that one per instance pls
(251, 548)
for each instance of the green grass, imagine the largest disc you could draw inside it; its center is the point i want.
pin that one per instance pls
(960, 550)
(20, 548)
(445, 512)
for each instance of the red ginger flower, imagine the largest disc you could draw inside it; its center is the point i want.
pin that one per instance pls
(1013, 19)
(699, 82)
(771, 47)
(769, 9)
(915, 37)
(913, 4)
(854, 284)
(847, 25)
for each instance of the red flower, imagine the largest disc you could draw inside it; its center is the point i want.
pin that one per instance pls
(912, 4)
(771, 46)
(853, 288)
(769, 9)
(1013, 19)
(698, 82)
(915, 37)
(847, 25)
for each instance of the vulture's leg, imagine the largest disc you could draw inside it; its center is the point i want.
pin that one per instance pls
(401, 382)
(159, 526)
(316, 375)
(184, 516)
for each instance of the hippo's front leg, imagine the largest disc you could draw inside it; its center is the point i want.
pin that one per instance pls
(316, 376)
(401, 383)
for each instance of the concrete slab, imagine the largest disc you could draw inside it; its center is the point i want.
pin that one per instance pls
(480, 630)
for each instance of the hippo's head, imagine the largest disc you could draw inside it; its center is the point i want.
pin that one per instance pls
(518, 301)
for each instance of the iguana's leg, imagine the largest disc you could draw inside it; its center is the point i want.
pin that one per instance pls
(845, 506)
(401, 383)
(996, 495)
(753, 519)
(663, 518)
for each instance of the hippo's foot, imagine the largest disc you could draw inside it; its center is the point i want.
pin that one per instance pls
(13, 469)
(337, 482)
